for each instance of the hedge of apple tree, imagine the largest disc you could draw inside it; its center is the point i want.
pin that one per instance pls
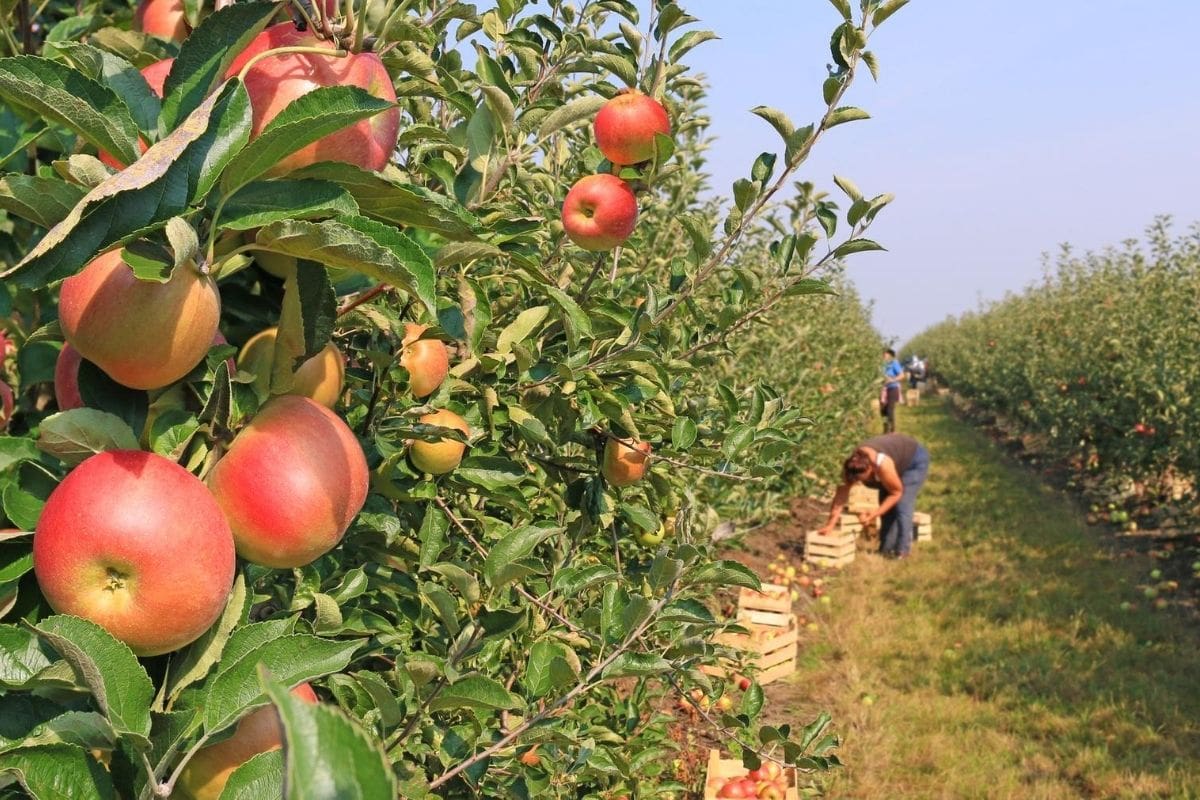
(314, 291)
(1094, 361)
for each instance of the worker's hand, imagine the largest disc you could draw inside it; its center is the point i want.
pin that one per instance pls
(865, 518)
(825, 531)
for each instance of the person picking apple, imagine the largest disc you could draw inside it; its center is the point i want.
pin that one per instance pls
(896, 465)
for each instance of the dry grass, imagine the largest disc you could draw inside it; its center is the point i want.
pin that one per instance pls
(999, 661)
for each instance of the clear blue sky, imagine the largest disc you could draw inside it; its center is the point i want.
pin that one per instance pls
(1004, 127)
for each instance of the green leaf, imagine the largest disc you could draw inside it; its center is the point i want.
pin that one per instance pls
(618, 65)
(21, 656)
(573, 580)
(847, 186)
(683, 433)
(159, 186)
(521, 328)
(872, 62)
(71, 436)
(318, 306)
(306, 119)
(569, 113)
(58, 772)
(109, 669)
(688, 41)
(551, 665)
(514, 546)
(845, 114)
(260, 778)
(120, 76)
(294, 658)
(263, 202)
(490, 472)
(327, 756)
(201, 655)
(14, 450)
(206, 55)
(434, 527)
(886, 10)
(399, 203)
(575, 320)
(808, 286)
(637, 665)
(778, 120)
(66, 96)
(855, 246)
(42, 201)
(475, 691)
(724, 573)
(843, 7)
(376, 250)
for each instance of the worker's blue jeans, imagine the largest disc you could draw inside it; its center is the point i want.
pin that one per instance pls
(896, 527)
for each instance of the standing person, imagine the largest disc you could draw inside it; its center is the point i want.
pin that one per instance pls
(892, 372)
(897, 466)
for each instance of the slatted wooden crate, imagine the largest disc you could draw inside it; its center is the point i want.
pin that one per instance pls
(922, 526)
(836, 549)
(722, 769)
(771, 649)
(862, 498)
(912, 397)
(771, 606)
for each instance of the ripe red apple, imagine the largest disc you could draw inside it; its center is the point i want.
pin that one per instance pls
(320, 377)
(143, 334)
(156, 76)
(136, 544)
(600, 212)
(743, 683)
(205, 776)
(274, 82)
(66, 378)
(438, 458)
(530, 757)
(427, 360)
(7, 404)
(164, 18)
(291, 483)
(626, 125)
(625, 464)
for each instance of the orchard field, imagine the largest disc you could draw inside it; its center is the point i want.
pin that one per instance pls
(393, 407)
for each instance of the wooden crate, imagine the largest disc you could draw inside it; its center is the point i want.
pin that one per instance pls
(722, 769)
(922, 526)
(770, 649)
(771, 606)
(912, 397)
(835, 549)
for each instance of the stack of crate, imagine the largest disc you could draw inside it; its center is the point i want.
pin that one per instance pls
(721, 770)
(772, 635)
(912, 397)
(862, 498)
(830, 550)
(922, 526)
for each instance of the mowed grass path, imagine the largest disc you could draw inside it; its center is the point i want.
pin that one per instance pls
(998, 662)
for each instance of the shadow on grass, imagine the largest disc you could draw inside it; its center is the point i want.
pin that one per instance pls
(1028, 603)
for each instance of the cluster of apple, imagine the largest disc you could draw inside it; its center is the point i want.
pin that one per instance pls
(109, 545)
(795, 579)
(601, 211)
(766, 783)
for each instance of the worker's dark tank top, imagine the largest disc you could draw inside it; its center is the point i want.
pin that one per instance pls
(900, 448)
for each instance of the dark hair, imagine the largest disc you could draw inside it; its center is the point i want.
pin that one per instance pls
(890, 352)
(856, 465)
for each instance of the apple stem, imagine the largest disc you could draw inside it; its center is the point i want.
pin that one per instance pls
(283, 51)
(308, 21)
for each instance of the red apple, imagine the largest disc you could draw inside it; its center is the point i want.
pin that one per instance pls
(743, 683)
(320, 377)
(440, 457)
(626, 125)
(7, 404)
(156, 76)
(163, 18)
(143, 334)
(136, 544)
(625, 464)
(427, 360)
(66, 379)
(274, 82)
(205, 776)
(600, 212)
(291, 483)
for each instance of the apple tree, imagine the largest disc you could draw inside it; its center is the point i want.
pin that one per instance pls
(323, 260)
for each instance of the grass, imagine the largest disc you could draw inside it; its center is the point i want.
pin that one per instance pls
(998, 663)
